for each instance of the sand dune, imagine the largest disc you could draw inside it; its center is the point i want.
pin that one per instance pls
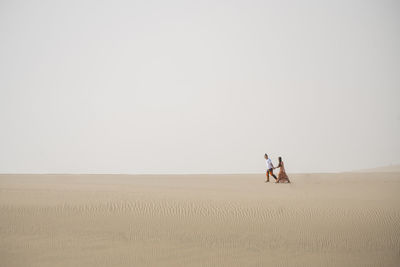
(388, 168)
(348, 219)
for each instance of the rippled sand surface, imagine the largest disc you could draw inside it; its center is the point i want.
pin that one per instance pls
(348, 219)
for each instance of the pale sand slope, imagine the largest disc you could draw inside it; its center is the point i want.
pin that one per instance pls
(389, 168)
(349, 219)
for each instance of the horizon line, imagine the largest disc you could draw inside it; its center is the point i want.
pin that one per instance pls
(175, 173)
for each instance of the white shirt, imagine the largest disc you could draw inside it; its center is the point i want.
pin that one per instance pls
(269, 164)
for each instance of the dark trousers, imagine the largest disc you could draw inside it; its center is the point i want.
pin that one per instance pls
(271, 171)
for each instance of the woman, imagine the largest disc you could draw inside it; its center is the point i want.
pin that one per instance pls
(282, 176)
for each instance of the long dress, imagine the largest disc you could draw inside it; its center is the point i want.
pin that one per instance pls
(282, 176)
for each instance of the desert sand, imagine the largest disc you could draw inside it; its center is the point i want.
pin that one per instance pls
(346, 219)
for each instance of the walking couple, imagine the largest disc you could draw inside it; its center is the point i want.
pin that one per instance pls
(282, 176)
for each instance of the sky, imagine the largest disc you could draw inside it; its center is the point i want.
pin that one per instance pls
(198, 86)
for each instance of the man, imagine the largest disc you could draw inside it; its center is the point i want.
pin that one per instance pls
(270, 167)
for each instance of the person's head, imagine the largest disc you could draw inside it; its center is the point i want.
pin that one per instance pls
(265, 156)
(280, 159)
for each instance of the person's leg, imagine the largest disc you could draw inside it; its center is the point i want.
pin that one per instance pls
(273, 175)
(267, 176)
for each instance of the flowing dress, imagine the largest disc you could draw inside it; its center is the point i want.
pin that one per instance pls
(282, 176)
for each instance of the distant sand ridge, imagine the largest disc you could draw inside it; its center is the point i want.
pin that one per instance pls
(348, 219)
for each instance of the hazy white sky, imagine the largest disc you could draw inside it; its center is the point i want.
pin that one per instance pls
(198, 86)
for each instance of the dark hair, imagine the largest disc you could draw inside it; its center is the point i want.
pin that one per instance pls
(265, 154)
(280, 159)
